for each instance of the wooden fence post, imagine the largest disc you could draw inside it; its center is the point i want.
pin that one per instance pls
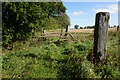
(61, 31)
(42, 32)
(67, 30)
(100, 36)
(118, 28)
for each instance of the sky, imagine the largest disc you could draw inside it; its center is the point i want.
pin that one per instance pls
(83, 13)
(91, 0)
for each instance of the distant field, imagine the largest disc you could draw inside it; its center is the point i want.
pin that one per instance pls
(90, 30)
(112, 29)
(56, 33)
(82, 30)
(77, 30)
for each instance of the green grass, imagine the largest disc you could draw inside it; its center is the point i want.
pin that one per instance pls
(42, 59)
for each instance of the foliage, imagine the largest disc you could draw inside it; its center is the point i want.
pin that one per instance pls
(113, 34)
(81, 27)
(64, 20)
(22, 19)
(76, 26)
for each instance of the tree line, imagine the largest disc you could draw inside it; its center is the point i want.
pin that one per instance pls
(20, 20)
(86, 27)
(90, 27)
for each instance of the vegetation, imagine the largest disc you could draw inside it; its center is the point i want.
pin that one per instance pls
(38, 57)
(42, 59)
(76, 26)
(81, 27)
(86, 27)
(22, 19)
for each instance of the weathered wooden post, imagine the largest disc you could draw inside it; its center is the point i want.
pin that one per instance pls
(100, 36)
(118, 34)
(67, 30)
(118, 28)
(42, 31)
(61, 31)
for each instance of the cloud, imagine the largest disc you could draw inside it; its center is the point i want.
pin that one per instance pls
(110, 8)
(102, 10)
(78, 13)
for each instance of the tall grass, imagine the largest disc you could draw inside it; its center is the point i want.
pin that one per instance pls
(42, 59)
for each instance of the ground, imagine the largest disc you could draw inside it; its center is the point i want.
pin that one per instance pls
(53, 58)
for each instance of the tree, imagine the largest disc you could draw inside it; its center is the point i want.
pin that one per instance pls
(20, 18)
(81, 27)
(76, 26)
(64, 20)
(114, 26)
(85, 27)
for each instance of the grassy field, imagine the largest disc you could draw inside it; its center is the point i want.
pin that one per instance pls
(90, 30)
(40, 58)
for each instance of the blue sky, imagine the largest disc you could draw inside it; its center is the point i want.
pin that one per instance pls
(83, 13)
